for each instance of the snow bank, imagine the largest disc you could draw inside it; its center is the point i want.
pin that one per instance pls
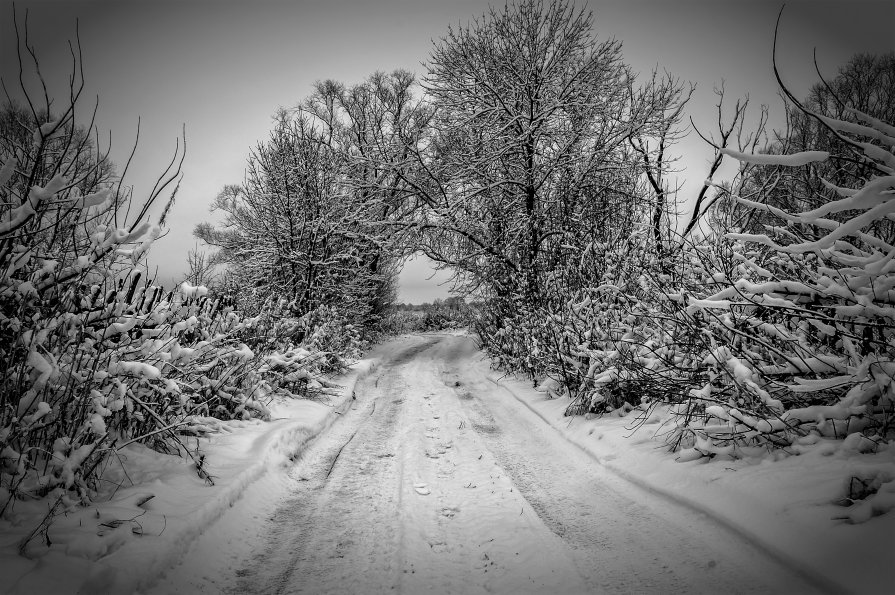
(163, 505)
(789, 506)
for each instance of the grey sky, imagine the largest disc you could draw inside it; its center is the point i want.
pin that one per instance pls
(223, 67)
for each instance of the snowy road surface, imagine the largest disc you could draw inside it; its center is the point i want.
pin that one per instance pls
(438, 481)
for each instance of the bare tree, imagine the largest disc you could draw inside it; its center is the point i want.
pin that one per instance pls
(865, 85)
(200, 268)
(527, 161)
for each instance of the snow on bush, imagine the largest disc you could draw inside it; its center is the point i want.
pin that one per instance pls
(94, 358)
(431, 317)
(803, 323)
(753, 342)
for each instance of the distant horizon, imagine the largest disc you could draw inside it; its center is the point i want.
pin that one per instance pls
(419, 282)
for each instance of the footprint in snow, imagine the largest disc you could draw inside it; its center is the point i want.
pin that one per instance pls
(421, 489)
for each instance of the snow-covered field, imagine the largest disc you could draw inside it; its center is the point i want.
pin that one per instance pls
(439, 476)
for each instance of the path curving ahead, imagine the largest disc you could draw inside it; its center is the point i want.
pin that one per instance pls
(437, 481)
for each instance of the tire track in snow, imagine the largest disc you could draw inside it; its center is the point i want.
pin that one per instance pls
(623, 538)
(414, 504)
(438, 481)
(361, 441)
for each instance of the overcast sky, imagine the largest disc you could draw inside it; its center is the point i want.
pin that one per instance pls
(223, 67)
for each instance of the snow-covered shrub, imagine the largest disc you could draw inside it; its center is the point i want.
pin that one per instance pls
(753, 339)
(65, 252)
(92, 357)
(600, 344)
(765, 340)
(512, 333)
(807, 309)
(450, 314)
(400, 321)
(442, 318)
(770, 340)
(328, 333)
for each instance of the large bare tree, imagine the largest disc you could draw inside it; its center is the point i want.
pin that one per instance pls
(527, 158)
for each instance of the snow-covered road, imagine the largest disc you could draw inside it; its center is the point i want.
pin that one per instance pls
(436, 480)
